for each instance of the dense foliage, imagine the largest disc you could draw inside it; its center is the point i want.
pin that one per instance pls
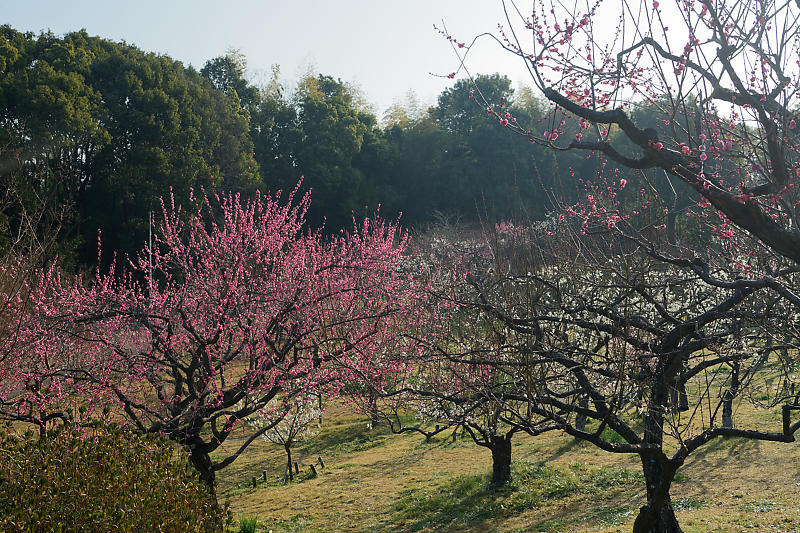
(109, 129)
(106, 129)
(101, 479)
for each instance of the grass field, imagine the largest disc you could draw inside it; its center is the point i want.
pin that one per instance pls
(376, 481)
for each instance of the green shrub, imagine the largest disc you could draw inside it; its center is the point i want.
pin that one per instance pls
(101, 479)
(248, 525)
(609, 435)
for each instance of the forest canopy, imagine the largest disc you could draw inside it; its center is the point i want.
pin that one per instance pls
(102, 130)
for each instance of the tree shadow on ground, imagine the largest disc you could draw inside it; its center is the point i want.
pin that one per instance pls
(559, 493)
(465, 500)
(704, 465)
(351, 437)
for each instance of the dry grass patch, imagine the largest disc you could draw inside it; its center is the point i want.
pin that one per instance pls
(376, 481)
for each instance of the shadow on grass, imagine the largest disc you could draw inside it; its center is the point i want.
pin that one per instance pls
(463, 500)
(567, 447)
(730, 447)
(349, 437)
(469, 501)
(705, 463)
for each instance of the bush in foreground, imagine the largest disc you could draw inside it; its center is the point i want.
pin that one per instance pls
(101, 479)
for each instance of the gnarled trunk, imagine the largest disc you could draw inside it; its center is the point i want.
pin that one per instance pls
(580, 418)
(657, 516)
(201, 461)
(501, 458)
(372, 407)
(678, 398)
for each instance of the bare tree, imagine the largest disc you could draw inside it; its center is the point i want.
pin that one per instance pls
(686, 244)
(457, 382)
(287, 423)
(637, 346)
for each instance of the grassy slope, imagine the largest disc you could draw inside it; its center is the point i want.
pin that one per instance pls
(374, 481)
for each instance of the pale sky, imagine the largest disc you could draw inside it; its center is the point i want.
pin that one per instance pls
(385, 47)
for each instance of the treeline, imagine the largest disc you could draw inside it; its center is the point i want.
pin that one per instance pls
(103, 130)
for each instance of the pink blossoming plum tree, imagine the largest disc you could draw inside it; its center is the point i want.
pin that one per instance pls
(237, 305)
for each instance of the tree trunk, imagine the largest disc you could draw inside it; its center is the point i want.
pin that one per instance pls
(729, 395)
(501, 459)
(657, 516)
(762, 356)
(201, 461)
(678, 398)
(373, 409)
(289, 473)
(671, 220)
(580, 419)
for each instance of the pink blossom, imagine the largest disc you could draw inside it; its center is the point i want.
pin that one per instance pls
(255, 290)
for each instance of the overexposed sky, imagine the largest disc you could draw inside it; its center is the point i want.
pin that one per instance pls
(385, 47)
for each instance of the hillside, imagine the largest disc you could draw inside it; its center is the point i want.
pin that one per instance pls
(376, 481)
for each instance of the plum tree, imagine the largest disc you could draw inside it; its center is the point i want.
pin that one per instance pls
(235, 304)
